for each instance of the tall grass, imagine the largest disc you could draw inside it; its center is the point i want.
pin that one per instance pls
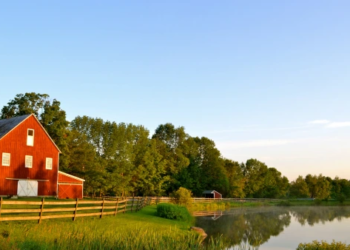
(141, 230)
(213, 206)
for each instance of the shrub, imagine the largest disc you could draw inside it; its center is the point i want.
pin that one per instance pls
(315, 245)
(183, 196)
(173, 212)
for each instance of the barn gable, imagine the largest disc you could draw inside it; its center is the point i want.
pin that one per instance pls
(7, 125)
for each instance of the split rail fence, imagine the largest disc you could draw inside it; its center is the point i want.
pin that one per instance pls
(12, 210)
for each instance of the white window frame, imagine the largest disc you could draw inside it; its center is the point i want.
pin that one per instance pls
(3, 157)
(25, 161)
(31, 136)
(50, 163)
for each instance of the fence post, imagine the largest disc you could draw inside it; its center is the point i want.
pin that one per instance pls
(138, 203)
(125, 203)
(132, 205)
(103, 205)
(76, 209)
(116, 208)
(41, 209)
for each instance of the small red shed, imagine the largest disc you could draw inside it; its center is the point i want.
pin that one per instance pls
(69, 186)
(212, 194)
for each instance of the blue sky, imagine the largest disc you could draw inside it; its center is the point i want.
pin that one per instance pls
(254, 76)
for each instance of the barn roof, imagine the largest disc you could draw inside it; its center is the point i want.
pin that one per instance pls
(71, 176)
(6, 125)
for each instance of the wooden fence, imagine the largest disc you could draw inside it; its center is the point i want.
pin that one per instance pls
(11, 210)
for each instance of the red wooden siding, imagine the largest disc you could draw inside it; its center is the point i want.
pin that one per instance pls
(69, 186)
(217, 195)
(15, 143)
(67, 179)
(70, 191)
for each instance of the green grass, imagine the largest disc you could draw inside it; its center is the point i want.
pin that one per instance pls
(141, 230)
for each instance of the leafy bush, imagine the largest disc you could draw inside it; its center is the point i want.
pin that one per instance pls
(173, 212)
(315, 245)
(183, 196)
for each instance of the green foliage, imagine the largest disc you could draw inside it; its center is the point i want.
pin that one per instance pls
(284, 203)
(340, 189)
(319, 186)
(183, 196)
(173, 212)
(254, 172)
(323, 245)
(299, 188)
(235, 178)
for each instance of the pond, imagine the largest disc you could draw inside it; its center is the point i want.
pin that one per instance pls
(277, 227)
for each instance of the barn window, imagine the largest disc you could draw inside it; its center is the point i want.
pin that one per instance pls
(30, 137)
(6, 157)
(48, 163)
(29, 161)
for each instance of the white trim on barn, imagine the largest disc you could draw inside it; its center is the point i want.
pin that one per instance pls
(71, 176)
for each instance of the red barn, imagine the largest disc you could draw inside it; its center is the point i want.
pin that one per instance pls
(29, 159)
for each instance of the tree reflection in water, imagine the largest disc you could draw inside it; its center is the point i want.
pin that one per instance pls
(315, 215)
(252, 227)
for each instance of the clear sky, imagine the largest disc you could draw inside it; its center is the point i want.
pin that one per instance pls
(264, 79)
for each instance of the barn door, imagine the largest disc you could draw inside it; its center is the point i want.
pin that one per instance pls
(27, 188)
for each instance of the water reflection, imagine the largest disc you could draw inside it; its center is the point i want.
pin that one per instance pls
(315, 215)
(255, 226)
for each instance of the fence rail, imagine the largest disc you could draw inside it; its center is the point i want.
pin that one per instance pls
(11, 210)
(40, 210)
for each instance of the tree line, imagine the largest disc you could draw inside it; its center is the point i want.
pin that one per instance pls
(125, 159)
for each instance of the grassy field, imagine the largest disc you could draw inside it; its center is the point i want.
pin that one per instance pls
(141, 230)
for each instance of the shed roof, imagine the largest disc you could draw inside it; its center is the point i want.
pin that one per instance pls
(209, 191)
(6, 125)
(71, 176)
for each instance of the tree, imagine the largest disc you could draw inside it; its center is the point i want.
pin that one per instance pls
(235, 178)
(299, 188)
(319, 186)
(340, 189)
(29, 103)
(254, 172)
(170, 144)
(150, 173)
(274, 186)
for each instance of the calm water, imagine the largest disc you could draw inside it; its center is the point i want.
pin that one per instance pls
(278, 227)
